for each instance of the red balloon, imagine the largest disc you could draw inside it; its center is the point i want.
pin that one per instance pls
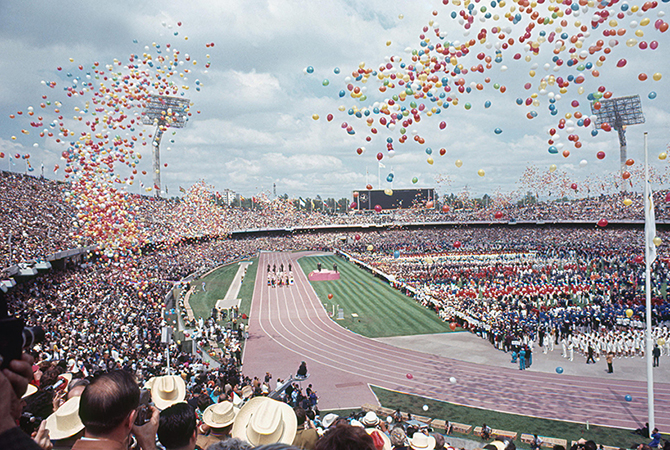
(498, 214)
(452, 325)
(357, 237)
(409, 376)
(602, 223)
(378, 208)
(639, 259)
(457, 244)
(330, 296)
(573, 186)
(353, 205)
(443, 151)
(329, 117)
(445, 208)
(380, 155)
(368, 187)
(359, 151)
(600, 155)
(443, 125)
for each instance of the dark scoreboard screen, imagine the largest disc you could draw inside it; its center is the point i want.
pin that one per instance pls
(400, 199)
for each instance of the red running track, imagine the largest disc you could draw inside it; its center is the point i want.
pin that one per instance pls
(289, 325)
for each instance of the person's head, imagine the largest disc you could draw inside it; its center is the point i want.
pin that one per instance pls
(176, 429)
(109, 402)
(300, 414)
(590, 445)
(77, 388)
(236, 444)
(345, 437)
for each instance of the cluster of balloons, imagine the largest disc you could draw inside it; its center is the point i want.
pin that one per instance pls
(569, 49)
(99, 119)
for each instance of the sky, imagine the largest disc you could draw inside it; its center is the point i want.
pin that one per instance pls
(253, 118)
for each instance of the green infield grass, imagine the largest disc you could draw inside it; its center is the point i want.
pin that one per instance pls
(247, 289)
(380, 310)
(216, 287)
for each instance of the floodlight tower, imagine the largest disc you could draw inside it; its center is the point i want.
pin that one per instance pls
(619, 113)
(163, 112)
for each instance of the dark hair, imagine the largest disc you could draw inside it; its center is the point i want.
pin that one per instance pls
(345, 437)
(590, 445)
(204, 401)
(107, 401)
(177, 424)
(300, 414)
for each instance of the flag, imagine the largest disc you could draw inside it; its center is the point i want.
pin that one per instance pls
(382, 165)
(181, 189)
(649, 224)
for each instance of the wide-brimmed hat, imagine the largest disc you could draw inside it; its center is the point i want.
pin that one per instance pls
(65, 422)
(30, 390)
(421, 441)
(167, 390)
(219, 415)
(247, 391)
(329, 419)
(370, 419)
(398, 437)
(265, 421)
(380, 439)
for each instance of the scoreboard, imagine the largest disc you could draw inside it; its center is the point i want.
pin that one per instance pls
(400, 198)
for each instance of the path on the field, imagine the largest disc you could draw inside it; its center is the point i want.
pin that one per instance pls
(230, 299)
(289, 324)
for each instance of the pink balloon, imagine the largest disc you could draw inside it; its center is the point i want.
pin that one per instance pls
(653, 45)
(621, 63)
(409, 376)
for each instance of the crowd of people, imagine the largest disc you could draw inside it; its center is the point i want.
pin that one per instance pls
(570, 288)
(577, 289)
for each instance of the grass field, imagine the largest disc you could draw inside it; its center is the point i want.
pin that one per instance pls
(216, 286)
(382, 311)
(510, 422)
(247, 289)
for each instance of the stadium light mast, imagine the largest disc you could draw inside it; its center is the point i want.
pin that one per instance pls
(163, 112)
(619, 113)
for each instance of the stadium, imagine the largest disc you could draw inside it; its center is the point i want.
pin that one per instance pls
(197, 252)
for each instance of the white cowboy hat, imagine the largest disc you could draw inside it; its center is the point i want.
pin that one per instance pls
(219, 415)
(30, 390)
(422, 441)
(167, 390)
(65, 422)
(376, 435)
(370, 419)
(263, 420)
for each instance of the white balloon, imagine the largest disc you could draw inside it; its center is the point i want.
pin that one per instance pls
(452, 380)
(583, 163)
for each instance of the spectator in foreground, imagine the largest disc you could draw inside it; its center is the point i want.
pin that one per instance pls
(217, 423)
(345, 437)
(108, 409)
(176, 429)
(306, 435)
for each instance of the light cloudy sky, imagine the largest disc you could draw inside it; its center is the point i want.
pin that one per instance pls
(255, 126)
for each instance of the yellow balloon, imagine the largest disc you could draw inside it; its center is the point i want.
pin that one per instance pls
(552, 168)
(481, 172)
(662, 156)
(629, 313)
(657, 241)
(661, 341)
(627, 202)
(315, 116)
(657, 76)
(388, 191)
(430, 160)
(459, 163)
(370, 248)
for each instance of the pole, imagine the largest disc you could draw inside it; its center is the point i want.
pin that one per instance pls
(157, 159)
(647, 287)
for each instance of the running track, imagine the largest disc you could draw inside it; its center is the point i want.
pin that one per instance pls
(289, 325)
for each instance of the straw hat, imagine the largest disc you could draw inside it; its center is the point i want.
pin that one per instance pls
(381, 440)
(265, 421)
(247, 391)
(30, 390)
(422, 441)
(370, 419)
(328, 420)
(167, 390)
(65, 422)
(219, 415)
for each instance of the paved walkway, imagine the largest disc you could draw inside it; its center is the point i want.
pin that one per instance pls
(231, 299)
(465, 346)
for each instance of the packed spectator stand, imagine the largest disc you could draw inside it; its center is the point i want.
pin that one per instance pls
(506, 283)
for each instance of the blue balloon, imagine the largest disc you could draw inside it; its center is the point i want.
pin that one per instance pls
(628, 398)
(487, 104)
(497, 131)
(559, 370)
(396, 254)
(553, 150)
(310, 69)
(336, 70)
(652, 95)
(429, 151)
(342, 93)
